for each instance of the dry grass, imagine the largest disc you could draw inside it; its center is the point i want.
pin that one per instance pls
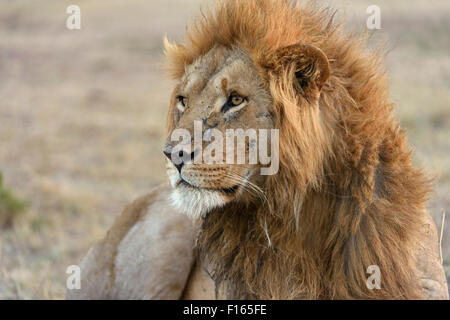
(82, 117)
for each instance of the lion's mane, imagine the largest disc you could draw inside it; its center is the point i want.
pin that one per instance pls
(346, 195)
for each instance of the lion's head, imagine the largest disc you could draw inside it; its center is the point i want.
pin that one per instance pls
(219, 91)
(229, 89)
(344, 178)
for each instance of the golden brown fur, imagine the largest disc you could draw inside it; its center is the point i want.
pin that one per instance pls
(146, 254)
(346, 196)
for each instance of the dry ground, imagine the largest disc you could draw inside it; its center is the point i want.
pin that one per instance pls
(82, 117)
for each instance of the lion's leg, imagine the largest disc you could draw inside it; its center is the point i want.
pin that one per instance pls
(147, 254)
(430, 271)
(200, 285)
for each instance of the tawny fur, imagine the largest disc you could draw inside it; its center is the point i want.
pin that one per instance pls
(147, 254)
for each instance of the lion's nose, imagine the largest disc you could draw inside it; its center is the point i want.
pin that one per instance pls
(180, 159)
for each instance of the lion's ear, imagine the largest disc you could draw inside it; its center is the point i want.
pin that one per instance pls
(306, 64)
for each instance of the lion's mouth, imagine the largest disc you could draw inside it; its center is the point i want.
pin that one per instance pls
(228, 191)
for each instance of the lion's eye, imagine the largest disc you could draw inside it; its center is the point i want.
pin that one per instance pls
(182, 101)
(234, 100)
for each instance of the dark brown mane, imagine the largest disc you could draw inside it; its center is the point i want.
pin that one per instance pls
(346, 196)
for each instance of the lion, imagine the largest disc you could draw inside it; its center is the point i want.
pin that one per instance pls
(346, 199)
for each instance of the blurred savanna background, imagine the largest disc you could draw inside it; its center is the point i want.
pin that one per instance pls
(82, 117)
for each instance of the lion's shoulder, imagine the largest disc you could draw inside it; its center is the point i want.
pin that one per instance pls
(147, 254)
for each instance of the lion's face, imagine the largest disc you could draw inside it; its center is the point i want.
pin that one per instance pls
(221, 90)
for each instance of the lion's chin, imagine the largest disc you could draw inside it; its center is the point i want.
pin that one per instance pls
(197, 202)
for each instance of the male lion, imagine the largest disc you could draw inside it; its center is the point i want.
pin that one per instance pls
(346, 198)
